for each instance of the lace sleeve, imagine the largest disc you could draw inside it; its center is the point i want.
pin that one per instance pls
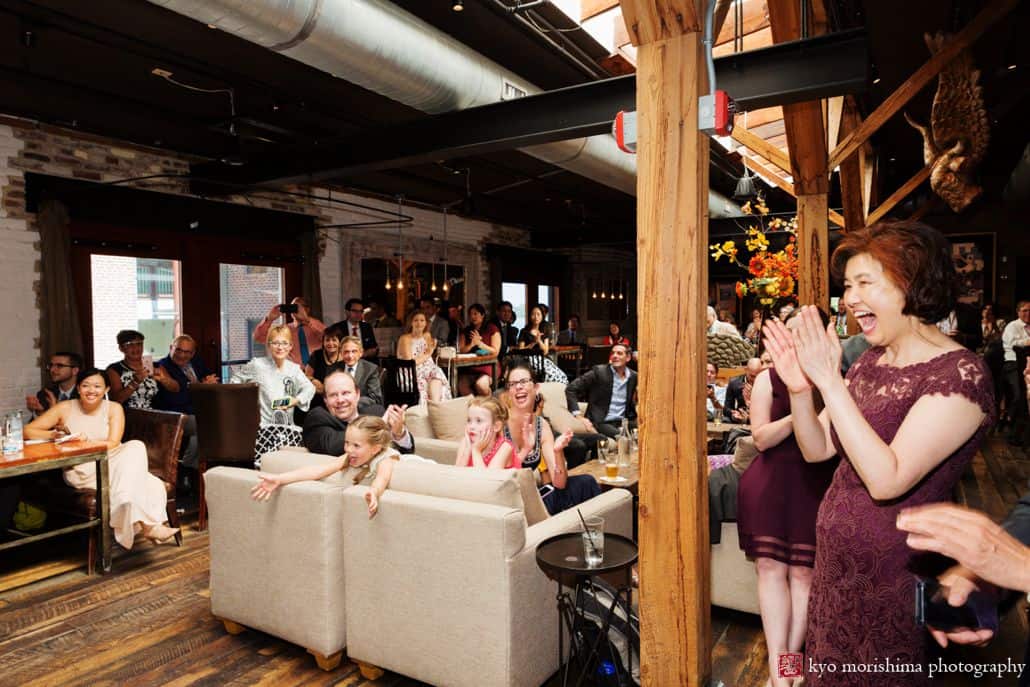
(965, 375)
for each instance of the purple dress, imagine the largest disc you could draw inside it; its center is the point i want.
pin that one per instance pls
(863, 590)
(779, 495)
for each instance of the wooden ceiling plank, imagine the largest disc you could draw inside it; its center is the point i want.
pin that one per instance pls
(756, 17)
(753, 41)
(761, 147)
(755, 118)
(899, 195)
(768, 173)
(834, 111)
(987, 17)
(592, 8)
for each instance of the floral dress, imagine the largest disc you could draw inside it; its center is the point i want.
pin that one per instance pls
(426, 371)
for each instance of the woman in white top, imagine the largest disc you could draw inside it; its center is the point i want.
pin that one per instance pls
(282, 386)
(137, 498)
(1015, 335)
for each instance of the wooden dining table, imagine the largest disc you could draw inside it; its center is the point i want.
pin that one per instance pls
(463, 360)
(50, 456)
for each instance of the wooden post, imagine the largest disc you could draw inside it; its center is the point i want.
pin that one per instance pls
(851, 173)
(672, 269)
(806, 144)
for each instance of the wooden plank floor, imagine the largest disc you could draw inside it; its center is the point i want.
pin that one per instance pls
(149, 622)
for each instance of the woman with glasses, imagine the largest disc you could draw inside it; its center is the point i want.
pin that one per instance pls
(133, 383)
(536, 447)
(282, 386)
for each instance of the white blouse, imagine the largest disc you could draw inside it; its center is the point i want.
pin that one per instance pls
(276, 384)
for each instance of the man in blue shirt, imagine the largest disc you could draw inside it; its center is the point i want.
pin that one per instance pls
(185, 368)
(610, 392)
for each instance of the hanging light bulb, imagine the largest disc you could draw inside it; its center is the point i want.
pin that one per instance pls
(400, 250)
(388, 275)
(445, 279)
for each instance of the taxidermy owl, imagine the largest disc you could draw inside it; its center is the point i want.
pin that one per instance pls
(956, 140)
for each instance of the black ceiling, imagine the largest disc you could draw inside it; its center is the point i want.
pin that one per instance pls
(87, 66)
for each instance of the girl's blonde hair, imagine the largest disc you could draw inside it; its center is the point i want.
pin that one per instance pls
(377, 432)
(276, 330)
(409, 325)
(492, 405)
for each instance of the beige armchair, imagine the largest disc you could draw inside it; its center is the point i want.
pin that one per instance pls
(278, 566)
(443, 585)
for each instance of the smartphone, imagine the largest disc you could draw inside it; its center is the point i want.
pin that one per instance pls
(148, 364)
(980, 611)
(280, 403)
(288, 308)
(546, 490)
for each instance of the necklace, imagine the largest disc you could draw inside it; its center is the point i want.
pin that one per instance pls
(328, 362)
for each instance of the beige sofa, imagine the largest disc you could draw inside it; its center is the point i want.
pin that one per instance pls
(280, 567)
(734, 580)
(447, 590)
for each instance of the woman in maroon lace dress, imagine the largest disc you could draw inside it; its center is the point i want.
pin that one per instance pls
(777, 501)
(906, 422)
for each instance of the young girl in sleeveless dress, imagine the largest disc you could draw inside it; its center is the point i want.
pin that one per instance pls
(367, 447)
(484, 445)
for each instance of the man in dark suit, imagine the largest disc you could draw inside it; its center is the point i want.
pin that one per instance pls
(509, 332)
(355, 325)
(735, 407)
(571, 336)
(365, 374)
(325, 427)
(610, 391)
(436, 323)
(63, 369)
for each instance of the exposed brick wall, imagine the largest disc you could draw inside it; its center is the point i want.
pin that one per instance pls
(24, 149)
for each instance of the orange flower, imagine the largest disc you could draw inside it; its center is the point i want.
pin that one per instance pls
(757, 265)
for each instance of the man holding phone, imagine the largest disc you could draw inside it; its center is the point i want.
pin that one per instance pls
(305, 329)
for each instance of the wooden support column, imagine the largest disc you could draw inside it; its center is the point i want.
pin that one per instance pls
(672, 268)
(851, 173)
(806, 144)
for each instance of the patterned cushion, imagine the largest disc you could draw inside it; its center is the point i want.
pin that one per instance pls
(727, 350)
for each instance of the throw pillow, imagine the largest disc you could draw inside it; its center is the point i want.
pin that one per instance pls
(448, 418)
(556, 411)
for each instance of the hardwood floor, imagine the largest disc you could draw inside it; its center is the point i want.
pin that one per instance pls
(149, 622)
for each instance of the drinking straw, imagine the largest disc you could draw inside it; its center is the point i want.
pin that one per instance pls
(590, 539)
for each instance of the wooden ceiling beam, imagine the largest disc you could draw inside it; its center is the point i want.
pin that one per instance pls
(987, 17)
(851, 172)
(756, 118)
(592, 8)
(760, 146)
(768, 173)
(752, 41)
(899, 195)
(756, 17)
(655, 20)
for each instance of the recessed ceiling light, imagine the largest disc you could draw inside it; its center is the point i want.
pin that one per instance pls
(876, 80)
(458, 5)
(1011, 67)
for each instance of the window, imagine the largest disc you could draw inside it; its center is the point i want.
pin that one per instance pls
(134, 293)
(246, 296)
(548, 295)
(516, 293)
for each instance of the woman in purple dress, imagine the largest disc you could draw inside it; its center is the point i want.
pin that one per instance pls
(777, 502)
(906, 422)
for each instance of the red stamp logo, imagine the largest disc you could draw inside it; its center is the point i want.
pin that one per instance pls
(790, 665)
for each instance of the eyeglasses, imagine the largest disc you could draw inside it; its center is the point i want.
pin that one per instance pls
(519, 383)
(185, 351)
(280, 344)
(49, 365)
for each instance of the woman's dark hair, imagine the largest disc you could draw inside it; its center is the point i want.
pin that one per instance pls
(616, 323)
(915, 257)
(334, 331)
(478, 307)
(823, 316)
(90, 372)
(127, 335)
(520, 363)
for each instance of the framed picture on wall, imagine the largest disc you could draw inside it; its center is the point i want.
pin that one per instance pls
(726, 296)
(973, 255)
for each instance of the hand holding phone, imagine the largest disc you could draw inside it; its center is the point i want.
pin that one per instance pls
(979, 612)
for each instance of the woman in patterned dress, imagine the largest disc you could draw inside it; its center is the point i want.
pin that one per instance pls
(417, 344)
(132, 383)
(906, 422)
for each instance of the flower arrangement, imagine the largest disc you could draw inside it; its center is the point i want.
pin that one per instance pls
(773, 274)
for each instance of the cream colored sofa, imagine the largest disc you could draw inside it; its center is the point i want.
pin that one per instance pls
(734, 581)
(279, 566)
(447, 590)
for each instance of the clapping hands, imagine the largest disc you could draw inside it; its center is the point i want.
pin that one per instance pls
(805, 354)
(394, 417)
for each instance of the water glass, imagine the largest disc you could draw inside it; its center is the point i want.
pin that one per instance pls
(593, 541)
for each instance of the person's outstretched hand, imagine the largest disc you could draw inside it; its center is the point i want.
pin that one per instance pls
(264, 489)
(780, 344)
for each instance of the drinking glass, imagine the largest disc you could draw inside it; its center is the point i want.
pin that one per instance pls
(593, 541)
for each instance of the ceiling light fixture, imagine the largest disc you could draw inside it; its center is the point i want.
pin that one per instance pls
(446, 281)
(458, 6)
(400, 251)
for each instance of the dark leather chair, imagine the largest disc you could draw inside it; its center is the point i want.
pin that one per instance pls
(400, 385)
(227, 425)
(161, 432)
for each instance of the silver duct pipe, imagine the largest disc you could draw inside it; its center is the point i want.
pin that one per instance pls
(379, 46)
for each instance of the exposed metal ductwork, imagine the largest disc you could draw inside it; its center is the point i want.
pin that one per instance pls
(379, 46)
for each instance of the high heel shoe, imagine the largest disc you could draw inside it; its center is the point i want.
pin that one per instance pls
(160, 534)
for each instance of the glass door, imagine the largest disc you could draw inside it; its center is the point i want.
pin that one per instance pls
(246, 294)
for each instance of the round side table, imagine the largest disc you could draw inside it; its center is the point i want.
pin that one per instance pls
(561, 558)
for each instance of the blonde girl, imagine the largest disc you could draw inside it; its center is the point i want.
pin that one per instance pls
(484, 444)
(367, 445)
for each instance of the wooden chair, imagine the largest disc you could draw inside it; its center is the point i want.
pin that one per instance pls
(161, 432)
(400, 384)
(227, 425)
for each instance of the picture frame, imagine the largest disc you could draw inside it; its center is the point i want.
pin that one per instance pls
(974, 258)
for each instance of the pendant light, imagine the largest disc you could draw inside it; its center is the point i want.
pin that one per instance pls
(400, 252)
(388, 286)
(446, 281)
